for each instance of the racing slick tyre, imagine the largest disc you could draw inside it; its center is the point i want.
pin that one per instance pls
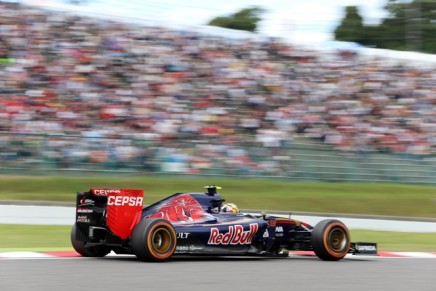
(330, 240)
(80, 247)
(154, 240)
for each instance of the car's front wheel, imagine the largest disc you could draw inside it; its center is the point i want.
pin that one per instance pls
(82, 249)
(154, 240)
(330, 240)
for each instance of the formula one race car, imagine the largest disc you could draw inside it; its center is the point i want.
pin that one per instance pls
(197, 224)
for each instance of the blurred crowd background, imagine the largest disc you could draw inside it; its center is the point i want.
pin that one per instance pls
(77, 91)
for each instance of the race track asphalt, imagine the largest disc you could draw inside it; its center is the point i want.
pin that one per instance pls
(126, 273)
(224, 273)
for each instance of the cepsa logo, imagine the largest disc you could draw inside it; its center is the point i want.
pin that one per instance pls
(125, 200)
(105, 192)
(235, 235)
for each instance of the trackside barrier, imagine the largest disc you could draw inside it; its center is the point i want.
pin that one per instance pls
(302, 159)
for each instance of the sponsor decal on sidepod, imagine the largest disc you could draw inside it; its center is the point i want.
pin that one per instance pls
(182, 235)
(235, 235)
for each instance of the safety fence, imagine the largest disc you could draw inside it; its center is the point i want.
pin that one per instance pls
(302, 159)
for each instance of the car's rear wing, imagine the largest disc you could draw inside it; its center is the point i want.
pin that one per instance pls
(117, 209)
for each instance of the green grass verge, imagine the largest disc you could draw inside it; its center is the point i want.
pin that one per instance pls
(54, 237)
(377, 199)
(397, 241)
(34, 237)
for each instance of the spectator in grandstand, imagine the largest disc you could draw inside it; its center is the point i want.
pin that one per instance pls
(102, 80)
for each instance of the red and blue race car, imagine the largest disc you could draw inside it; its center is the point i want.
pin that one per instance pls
(197, 224)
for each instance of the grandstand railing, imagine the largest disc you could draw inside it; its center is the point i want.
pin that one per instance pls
(299, 160)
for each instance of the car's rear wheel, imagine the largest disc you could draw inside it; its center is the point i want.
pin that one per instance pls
(154, 240)
(330, 240)
(82, 249)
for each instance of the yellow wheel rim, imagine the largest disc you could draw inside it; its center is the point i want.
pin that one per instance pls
(337, 240)
(161, 240)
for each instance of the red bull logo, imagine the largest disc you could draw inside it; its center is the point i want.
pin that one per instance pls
(236, 235)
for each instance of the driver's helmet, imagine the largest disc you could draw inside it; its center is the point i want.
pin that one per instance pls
(229, 208)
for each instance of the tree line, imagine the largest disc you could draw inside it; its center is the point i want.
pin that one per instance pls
(408, 26)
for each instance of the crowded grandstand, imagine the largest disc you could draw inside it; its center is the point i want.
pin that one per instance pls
(79, 90)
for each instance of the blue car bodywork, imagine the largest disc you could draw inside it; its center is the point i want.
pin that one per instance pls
(193, 224)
